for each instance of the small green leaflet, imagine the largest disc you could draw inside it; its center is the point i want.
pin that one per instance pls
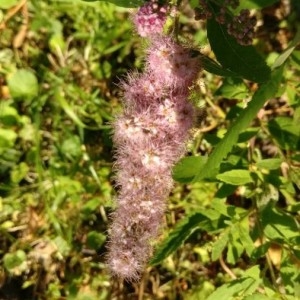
(243, 286)
(219, 245)
(5, 4)
(269, 163)
(233, 88)
(121, 3)
(288, 51)
(236, 177)
(255, 4)
(184, 171)
(213, 67)
(207, 220)
(23, 85)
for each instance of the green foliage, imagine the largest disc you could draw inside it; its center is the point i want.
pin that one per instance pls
(266, 91)
(242, 60)
(241, 287)
(5, 4)
(23, 85)
(259, 227)
(122, 3)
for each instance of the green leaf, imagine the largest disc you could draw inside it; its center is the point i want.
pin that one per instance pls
(19, 172)
(287, 52)
(91, 206)
(233, 288)
(286, 132)
(234, 252)
(13, 260)
(5, 4)
(62, 246)
(245, 236)
(68, 109)
(213, 67)
(269, 163)
(7, 138)
(95, 240)
(256, 4)
(8, 115)
(23, 85)
(242, 60)
(265, 92)
(122, 3)
(224, 209)
(233, 88)
(184, 171)
(71, 147)
(177, 237)
(289, 271)
(219, 245)
(236, 177)
(278, 225)
(257, 296)
(234, 248)
(248, 134)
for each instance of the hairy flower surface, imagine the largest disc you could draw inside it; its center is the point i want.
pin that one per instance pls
(171, 64)
(149, 136)
(150, 18)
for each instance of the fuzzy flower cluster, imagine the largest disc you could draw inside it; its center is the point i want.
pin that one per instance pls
(150, 18)
(241, 26)
(149, 137)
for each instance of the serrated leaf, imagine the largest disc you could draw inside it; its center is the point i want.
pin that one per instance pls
(278, 225)
(177, 237)
(245, 236)
(242, 60)
(233, 88)
(232, 254)
(253, 272)
(233, 288)
(286, 132)
(213, 67)
(184, 171)
(236, 177)
(23, 85)
(224, 209)
(266, 91)
(219, 245)
(269, 163)
(289, 271)
(234, 248)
